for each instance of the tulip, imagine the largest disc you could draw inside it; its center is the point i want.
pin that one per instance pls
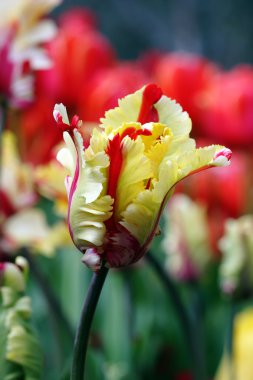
(185, 78)
(227, 111)
(120, 182)
(80, 47)
(100, 95)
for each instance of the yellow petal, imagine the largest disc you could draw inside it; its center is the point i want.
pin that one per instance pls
(135, 169)
(171, 114)
(87, 221)
(127, 112)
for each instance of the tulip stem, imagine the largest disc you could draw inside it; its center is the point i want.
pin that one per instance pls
(83, 329)
(183, 315)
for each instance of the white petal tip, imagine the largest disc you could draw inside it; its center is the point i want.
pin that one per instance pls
(60, 113)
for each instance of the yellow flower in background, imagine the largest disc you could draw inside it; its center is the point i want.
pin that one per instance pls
(120, 182)
(21, 223)
(29, 228)
(16, 178)
(49, 179)
(241, 365)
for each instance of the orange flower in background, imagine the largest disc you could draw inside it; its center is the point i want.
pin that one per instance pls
(119, 183)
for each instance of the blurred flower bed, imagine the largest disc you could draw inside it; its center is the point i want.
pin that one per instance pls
(205, 244)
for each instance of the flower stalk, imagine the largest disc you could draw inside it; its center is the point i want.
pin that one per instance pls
(83, 330)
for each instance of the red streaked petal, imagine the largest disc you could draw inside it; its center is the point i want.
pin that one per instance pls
(128, 132)
(142, 132)
(115, 154)
(151, 94)
(133, 133)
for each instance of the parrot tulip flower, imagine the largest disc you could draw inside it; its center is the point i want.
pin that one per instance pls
(120, 182)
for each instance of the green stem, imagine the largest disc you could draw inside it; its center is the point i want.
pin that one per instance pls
(83, 330)
(182, 314)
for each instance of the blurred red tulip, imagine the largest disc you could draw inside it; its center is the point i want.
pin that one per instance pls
(77, 52)
(37, 135)
(227, 114)
(185, 78)
(107, 87)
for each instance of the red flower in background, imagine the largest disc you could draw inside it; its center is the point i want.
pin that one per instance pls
(78, 52)
(37, 135)
(106, 87)
(227, 114)
(185, 78)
